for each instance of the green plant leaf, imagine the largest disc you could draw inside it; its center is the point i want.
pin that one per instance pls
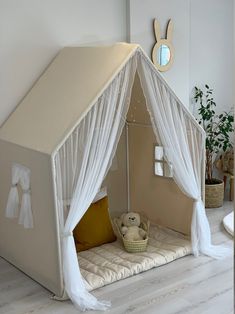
(218, 127)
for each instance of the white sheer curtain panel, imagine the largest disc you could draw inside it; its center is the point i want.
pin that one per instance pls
(20, 175)
(25, 217)
(81, 165)
(184, 144)
(12, 208)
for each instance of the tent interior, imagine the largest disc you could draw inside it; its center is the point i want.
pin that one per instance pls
(133, 186)
(158, 197)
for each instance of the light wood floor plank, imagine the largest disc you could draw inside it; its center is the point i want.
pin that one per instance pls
(187, 286)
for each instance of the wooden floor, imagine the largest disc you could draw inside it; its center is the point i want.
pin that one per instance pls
(187, 286)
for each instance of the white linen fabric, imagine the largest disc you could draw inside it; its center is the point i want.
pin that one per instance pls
(184, 144)
(12, 208)
(20, 175)
(81, 165)
(101, 194)
(25, 217)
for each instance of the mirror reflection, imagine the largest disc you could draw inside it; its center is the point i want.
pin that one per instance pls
(163, 55)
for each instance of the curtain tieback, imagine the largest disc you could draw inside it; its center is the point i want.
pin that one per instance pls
(14, 185)
(67, 234)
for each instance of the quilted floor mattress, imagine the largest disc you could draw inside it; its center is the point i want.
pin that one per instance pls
(108, 263)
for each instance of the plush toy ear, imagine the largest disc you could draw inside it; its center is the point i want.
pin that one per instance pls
(122, 217)
(169, 31)
(157, 30)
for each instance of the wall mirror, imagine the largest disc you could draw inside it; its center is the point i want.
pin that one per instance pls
(163, 53)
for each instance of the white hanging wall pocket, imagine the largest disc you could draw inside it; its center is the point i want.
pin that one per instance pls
(20, 175)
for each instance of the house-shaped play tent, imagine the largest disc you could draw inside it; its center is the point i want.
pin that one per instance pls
(57, 148)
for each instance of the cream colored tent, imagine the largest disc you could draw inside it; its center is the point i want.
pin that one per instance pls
(41, 125)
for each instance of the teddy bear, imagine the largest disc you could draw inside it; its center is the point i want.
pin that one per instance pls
(130, 227)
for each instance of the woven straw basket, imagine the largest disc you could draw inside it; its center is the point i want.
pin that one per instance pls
(214, 195)
(134, 246)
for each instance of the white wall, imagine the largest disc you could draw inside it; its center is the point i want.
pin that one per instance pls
(212, 49)
(32, 32)
(203, 41)
(142, 13)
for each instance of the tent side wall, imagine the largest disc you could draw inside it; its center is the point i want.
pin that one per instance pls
(158, 197)
(34, 251)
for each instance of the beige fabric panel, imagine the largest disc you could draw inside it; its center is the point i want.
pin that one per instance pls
(158, 197)
(34, 251)
(62, 94)
(116, 180)
(110, 262)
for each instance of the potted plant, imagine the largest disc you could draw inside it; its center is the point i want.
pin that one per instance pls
(218, 128)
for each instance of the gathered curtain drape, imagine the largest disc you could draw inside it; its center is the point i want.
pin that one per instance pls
(25, 217)
(81, 165)
(184, 144)
(21, 176)
(84, 159)
(12, 208)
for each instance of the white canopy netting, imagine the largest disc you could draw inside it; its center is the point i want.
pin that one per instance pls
(83, 160)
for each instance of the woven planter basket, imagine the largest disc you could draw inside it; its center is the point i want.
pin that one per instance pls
(214, 194)
(134, 246)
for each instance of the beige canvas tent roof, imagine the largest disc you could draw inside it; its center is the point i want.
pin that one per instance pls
(50, 114)
(62, 95)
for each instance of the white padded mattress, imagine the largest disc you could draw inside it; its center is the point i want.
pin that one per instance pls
(110, 262)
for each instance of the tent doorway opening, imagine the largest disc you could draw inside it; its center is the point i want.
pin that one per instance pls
(131, 182)
(132, 185)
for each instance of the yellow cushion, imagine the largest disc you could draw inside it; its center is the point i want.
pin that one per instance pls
(95, 227)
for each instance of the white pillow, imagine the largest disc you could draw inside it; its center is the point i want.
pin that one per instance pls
(101, 194)
(228, 222)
